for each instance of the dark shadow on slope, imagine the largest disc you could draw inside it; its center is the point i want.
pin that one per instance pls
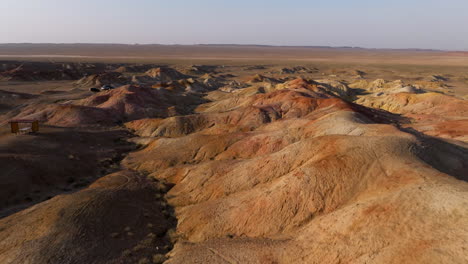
(451, 159)
(380, 116)
(39, 166)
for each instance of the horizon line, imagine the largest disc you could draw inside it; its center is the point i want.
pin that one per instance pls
(230, 44)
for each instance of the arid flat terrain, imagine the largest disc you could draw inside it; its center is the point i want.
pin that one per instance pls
(233, 154)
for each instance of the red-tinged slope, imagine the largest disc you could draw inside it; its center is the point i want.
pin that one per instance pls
(110, 107)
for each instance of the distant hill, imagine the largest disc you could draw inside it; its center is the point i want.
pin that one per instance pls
(7, 48)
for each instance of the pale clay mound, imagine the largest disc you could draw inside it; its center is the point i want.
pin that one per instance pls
(279, 171)
(432, 113)
(165, 74)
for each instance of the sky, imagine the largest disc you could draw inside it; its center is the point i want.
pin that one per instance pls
(432, 24)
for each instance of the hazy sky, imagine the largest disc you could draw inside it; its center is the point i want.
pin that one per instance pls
(440, 24)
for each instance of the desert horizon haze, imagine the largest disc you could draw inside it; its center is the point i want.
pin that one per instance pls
(425, 24)
(340, 137)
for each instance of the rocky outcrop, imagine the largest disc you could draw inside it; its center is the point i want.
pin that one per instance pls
(165, 74)
(109, 78)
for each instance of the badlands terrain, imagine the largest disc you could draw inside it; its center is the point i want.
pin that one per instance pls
(233, 154)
